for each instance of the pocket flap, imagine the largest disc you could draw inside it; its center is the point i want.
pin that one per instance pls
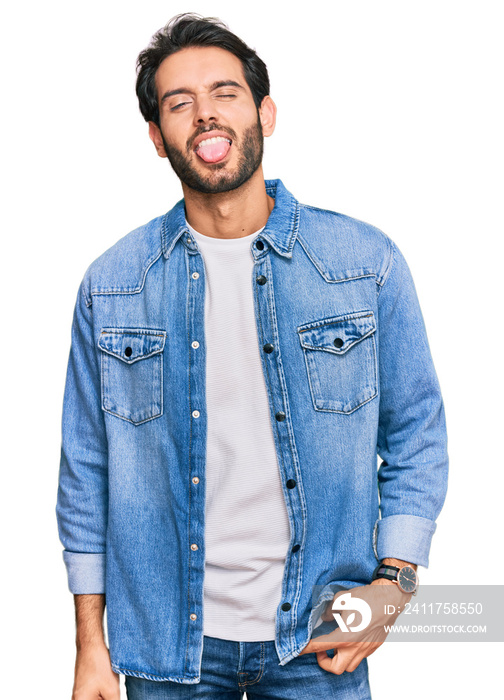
(337, 334)
(131, 344)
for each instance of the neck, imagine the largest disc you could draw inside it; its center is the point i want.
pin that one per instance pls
(231, 214)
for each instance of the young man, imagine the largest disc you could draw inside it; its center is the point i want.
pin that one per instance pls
(236, 366)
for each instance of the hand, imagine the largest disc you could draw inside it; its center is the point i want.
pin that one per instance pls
(351, 647)
(94, 677)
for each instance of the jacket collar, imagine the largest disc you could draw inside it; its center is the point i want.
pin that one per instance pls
(280, 231)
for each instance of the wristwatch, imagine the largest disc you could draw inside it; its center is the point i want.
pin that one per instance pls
(406, 577)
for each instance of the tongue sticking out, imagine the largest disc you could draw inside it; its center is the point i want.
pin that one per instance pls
(213, 152)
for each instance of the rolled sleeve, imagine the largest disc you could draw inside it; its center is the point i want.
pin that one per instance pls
(86, 572)
(406, 537)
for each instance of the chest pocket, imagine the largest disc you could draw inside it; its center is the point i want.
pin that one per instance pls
(340, 355)
(132, 373)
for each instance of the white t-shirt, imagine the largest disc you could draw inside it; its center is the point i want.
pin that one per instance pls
(246, 522)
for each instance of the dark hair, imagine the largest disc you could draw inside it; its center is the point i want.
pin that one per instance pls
(186, 30)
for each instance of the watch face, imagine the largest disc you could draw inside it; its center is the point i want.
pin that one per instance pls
(407, 579)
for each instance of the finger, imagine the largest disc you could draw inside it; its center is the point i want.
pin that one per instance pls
(362, 652)
(341, 660)
(337, 664)
(324, 661)
(314, 645)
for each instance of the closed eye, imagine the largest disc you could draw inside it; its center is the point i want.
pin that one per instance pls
(180, 104)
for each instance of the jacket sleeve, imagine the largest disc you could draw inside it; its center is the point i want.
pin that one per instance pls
(412, 441)
(82, 500)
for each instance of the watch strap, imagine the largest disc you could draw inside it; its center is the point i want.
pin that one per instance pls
(386, 571)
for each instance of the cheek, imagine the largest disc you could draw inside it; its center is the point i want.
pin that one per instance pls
(181, 146)
(249, 115)
(237, 114)
(177, 131)
(241, 121)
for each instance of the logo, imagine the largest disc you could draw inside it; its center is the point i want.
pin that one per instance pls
(346, 602)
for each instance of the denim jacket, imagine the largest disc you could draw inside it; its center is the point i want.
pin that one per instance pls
(350, 378)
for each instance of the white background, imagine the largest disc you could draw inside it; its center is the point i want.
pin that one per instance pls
(390, 112)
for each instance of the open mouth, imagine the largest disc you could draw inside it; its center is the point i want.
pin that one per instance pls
(214, 149)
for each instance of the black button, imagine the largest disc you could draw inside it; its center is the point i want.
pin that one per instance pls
(261, 279)
(338, 342)
(290, 483)
(268, 348)
(280, 416)
(260, 245)
(296, 548)
(128, 352)
(286, 606)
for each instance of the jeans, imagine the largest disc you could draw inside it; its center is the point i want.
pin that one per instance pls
(229, 669)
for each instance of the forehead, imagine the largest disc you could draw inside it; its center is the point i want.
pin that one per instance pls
(198, 67)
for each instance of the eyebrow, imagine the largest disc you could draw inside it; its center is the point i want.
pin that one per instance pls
(213, 86)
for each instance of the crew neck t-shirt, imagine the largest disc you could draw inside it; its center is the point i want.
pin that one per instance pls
(246, 521)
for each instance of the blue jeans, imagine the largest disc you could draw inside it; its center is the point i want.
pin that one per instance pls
(229, 669)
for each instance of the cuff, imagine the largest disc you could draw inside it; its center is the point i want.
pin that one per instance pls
(86, 572)
(406, 537)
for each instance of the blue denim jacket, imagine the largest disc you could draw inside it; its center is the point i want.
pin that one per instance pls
(351, 377)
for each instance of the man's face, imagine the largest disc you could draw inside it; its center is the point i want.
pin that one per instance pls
(203, 95)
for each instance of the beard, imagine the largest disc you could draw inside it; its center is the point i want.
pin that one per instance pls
(251, 156)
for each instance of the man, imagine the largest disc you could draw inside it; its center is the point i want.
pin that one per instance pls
(236, 366)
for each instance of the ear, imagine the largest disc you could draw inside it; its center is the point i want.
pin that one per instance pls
(267, 115)
(157, 139)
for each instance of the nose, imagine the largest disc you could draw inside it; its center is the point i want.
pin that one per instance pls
(205, 111)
